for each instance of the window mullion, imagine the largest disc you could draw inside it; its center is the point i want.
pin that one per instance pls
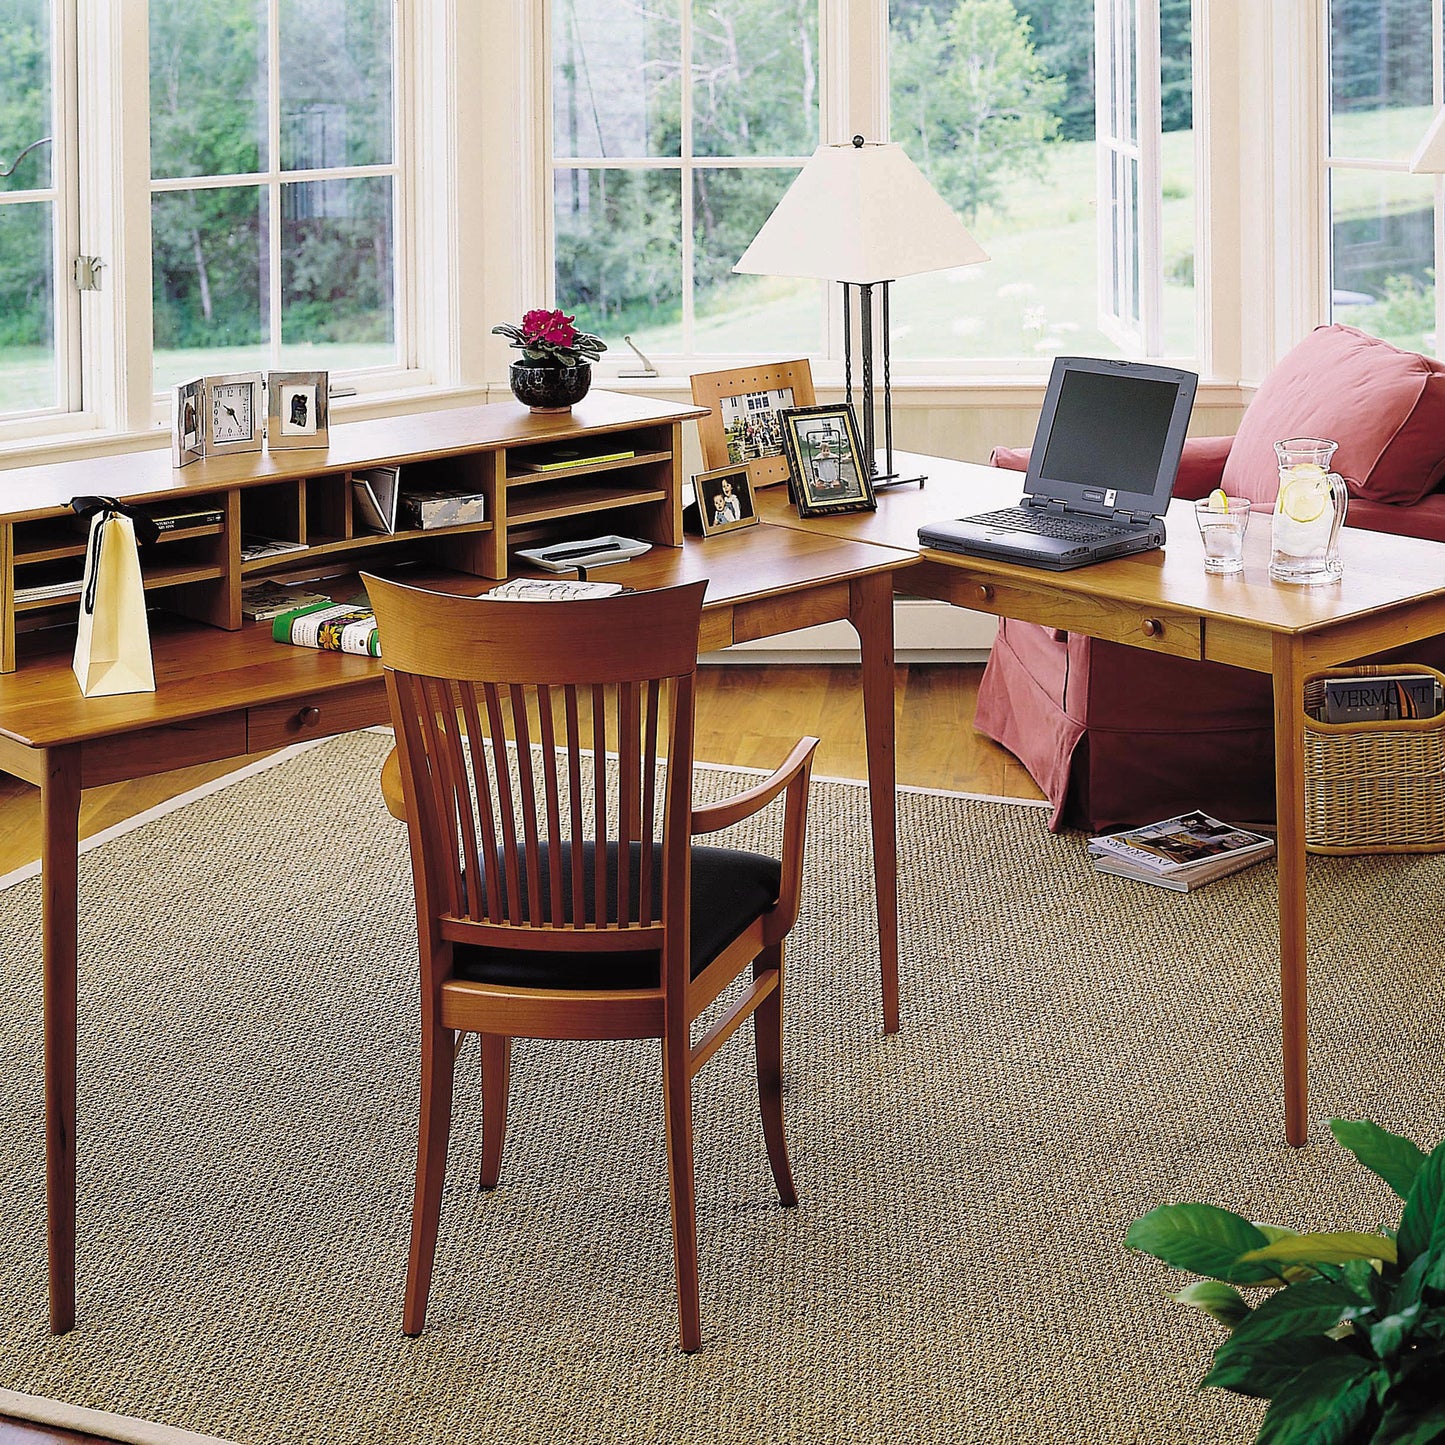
(273, 183)
(686, 181)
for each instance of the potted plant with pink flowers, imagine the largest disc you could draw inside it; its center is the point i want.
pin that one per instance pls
(555, 369)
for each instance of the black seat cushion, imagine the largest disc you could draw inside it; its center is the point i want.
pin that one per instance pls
(730, 889)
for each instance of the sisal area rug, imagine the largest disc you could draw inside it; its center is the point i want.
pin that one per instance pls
(1075, 1050)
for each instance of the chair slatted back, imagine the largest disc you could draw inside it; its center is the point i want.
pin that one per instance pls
(499, 833)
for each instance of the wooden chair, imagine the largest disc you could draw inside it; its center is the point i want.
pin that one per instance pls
(536, 921)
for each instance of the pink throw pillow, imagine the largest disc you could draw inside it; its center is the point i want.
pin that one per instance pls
(1385, 407)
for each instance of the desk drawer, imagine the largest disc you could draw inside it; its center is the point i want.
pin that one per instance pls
(275, 725)
(1158, 629)
(160, 749)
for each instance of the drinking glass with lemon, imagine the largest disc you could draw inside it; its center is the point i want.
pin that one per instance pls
(1222, 521)
(1308, 513)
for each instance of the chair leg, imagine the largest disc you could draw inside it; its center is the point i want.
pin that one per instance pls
(437, 1064)
(496, 1077)
(768, 1038)
(677, 1092)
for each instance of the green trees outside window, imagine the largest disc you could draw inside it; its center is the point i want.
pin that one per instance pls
(272, 217)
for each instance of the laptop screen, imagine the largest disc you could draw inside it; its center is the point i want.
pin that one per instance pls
(1111, 434)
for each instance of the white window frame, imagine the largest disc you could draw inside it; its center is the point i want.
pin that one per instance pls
(1336, 163)
(272, 177)
(854, 96)
(63, 194)
(1129, 198)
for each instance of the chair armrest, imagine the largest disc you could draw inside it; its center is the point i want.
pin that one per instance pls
(391, 789)
(1200, 466)
(714, 816)
(792, 778)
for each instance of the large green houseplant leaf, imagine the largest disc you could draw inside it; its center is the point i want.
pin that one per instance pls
(1346, 1334)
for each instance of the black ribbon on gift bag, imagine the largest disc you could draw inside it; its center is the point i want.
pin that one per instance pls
(146, 532)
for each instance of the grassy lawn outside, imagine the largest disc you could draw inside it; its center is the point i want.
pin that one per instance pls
(27, 378)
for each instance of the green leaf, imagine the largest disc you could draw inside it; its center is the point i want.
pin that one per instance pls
(1218, 1300)
(1321, 1405)
(1202, 1238)
(1332, 1248)
(1411, 1423)
(1388, 1334)
(1302, 1309)
(1395, 1159)
(1420, 1224)
(1263, 1370)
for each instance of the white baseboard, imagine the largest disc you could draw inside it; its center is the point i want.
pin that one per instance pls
(923, 631)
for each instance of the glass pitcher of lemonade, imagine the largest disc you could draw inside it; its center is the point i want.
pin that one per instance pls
(1308, 513)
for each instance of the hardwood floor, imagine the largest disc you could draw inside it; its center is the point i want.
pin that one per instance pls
(747, 715)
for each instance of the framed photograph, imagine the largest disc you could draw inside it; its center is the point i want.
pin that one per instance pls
(298, 410)
(231, 413)
(743, 426)
(188, 442)
(724, 500)
(823, 451)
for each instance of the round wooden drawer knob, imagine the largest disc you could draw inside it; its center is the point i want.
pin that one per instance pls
(985, 592)
(1153, 627)
(308, 717)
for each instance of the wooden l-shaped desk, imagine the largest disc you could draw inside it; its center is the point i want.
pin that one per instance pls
(226, 694)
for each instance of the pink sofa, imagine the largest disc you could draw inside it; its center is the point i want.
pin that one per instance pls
(1116, 736)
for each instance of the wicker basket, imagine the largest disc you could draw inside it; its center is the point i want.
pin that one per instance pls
(1373, 787)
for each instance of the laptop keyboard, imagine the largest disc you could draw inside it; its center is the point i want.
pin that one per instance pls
(1043, 524)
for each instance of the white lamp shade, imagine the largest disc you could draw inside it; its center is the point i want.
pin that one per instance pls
(861, 214)
(1429, 155)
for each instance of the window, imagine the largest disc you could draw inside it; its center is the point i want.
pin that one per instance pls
(676, 125)
(1384, 222)
(37, 331)
(1062, 132)
(273, 192)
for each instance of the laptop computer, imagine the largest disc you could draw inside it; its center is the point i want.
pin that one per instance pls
(1100, 474)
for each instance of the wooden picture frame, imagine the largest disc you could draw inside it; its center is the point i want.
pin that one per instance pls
(828, 469)
(755, 392)
(724, 499)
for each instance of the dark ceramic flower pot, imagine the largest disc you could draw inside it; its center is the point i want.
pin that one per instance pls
(546, 386)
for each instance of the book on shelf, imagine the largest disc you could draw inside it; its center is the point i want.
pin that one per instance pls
(191, 517)
(253, 546)
(443, 507)
(330, 626)
(541, 589)
(1169, 847)
(1196, 875)
(261, 601)
(1402, 697)
(48, 591)
(377, 490)
(559, 459)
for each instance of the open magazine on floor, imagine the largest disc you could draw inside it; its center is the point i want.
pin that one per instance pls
(1179, 852)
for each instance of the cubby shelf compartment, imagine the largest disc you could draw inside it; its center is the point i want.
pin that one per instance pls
(37, 547)
(585, 469)
(151, 579)
(575, 502)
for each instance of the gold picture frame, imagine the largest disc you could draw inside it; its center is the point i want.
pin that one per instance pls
(749, 399)
(829, 472)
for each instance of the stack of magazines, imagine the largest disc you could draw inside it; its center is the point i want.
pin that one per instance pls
(1180, 853)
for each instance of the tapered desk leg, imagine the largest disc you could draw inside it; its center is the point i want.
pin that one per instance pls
(1289, 790)
(60, 839)
(870, 611)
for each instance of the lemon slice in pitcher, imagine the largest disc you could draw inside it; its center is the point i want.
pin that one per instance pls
(1305, 494)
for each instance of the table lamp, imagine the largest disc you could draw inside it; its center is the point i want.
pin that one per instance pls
(864, 215)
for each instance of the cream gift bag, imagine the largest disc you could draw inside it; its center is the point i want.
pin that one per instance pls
(113, 646)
